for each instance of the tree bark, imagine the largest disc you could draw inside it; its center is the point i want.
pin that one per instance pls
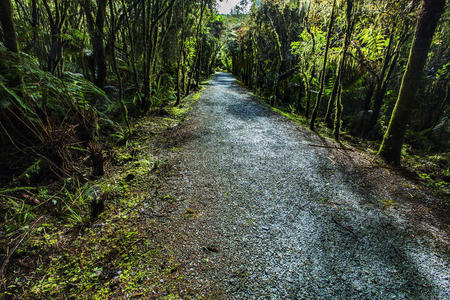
(197, 42)
(324, 68)
(428, 18)
(9, 33)
(348, 33)
(99, 49)
(96, 32)
(334, 93)
(112, 39)
(388, 67)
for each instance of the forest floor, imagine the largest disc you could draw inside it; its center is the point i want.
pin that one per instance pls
(234, 201)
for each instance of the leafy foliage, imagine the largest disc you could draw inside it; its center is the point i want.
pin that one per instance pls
(86, 70)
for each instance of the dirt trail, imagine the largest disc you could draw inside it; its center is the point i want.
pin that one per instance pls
(262, 214)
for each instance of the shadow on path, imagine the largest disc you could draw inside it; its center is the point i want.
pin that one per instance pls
(289, 223)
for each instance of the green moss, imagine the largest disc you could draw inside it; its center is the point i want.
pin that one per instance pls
(178, 111)
(387, 202)
(438, 185)
(190, 213)
(434, 170)
(142, 166)
(106, 260)
(294, 117)
(196, 96)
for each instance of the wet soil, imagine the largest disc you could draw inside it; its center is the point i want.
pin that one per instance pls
(260, 209)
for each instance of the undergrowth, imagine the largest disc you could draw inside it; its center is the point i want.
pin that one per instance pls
(55, 247)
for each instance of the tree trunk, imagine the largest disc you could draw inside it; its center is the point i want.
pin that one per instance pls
(112, 39)
(308, 97)
(55, 54)
(381, 86)
(197, 42)
(298, 104)
(308, 84)
(198, 69)
(277, 62)
(178, 86)
(429, 15)
(369, 93)
(150, 35)
(334, 93)
(99, 49)
(96, 32)
(35, 23)
(132, 48)
(324, 68)
(338, 114)
(348, 33)
(9, 33)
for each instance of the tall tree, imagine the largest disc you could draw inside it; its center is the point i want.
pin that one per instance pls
(324, 69)
(195, 65)
(350, 23)
(9, 34)
(153, 33)
(399, 33)
(57, 15)
(96, 31)
(427, 20)
(112, 43)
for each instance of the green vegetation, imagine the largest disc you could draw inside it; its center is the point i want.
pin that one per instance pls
(86, 86)
(67, 252)
(339, 65)
(291, 115)
(81, 84)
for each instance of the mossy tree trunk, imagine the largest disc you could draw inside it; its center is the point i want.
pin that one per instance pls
(389, 63)
(308, 68)
(350, 20)
(308, 87)
(429, 15)
(277, 63)
(197, 47)
(330, 105)
(324, 68)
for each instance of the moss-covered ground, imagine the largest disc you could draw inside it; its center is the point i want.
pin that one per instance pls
(118, 254)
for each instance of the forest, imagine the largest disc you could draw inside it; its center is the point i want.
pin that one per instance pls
(88, 87)
(341, 64)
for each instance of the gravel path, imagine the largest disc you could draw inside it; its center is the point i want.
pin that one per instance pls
(265, 215)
